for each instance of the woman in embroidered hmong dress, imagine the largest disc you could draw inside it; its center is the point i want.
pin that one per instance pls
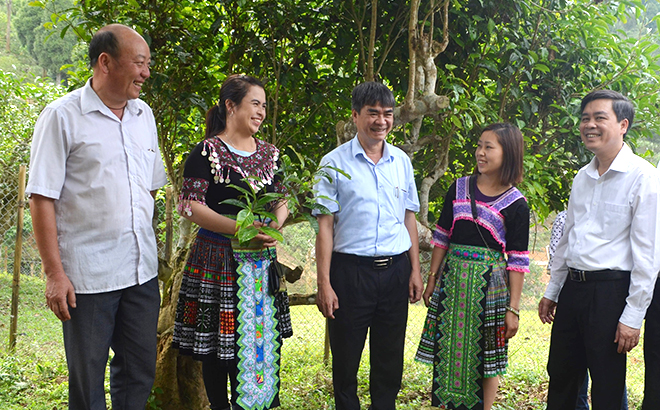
(473, 303)
(225, 315)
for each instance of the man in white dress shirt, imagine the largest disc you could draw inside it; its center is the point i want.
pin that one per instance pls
(606, 263)
(652, 352)
(94, 168)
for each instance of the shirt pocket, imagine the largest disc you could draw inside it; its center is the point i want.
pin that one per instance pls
(145, 165)
(616, 219)
(396, 200)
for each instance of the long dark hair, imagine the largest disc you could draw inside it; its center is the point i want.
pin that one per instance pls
(513, 150)
(234, 89)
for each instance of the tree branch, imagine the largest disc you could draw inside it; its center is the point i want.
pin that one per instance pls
(369, 75)
(412, 37)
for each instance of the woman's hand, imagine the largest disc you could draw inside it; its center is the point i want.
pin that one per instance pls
(510, 324)
(266, 240)
(430, 287)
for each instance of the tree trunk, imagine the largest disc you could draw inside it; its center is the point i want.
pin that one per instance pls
(179, 377)
(8, 45)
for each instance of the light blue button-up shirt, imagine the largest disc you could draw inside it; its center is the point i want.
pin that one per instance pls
(369, 208)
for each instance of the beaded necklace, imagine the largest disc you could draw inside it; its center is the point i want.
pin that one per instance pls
(264, 176)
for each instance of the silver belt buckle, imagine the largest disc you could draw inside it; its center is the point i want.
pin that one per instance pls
(578, 275)
(382, 263)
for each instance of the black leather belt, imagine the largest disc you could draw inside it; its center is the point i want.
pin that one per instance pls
(375, 262)
(578, 275)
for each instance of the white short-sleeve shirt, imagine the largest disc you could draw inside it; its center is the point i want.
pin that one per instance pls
(100, 170)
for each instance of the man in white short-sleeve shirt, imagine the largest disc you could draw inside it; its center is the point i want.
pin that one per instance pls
(94, 168)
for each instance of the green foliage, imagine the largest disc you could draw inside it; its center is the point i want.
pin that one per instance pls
(298, 179)
(255, 207)
(153, 403)
(527, 62)
(22, 100)
(34, 376)
(298, 192)
(530, 63)
(38, 27)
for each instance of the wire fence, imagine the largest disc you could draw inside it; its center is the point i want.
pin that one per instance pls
(528, 351)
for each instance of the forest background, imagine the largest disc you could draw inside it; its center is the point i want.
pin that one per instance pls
(454, 66)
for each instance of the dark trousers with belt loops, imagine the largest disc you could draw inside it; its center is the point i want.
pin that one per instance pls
(371, 296)
(652, 353)
(583, 334)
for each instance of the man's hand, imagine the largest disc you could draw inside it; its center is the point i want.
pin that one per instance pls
(326, 301)
(547, 310)
(627, 338)
(60, 295)
(415, 286)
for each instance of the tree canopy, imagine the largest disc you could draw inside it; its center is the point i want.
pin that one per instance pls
(454, 66)
(34, 27)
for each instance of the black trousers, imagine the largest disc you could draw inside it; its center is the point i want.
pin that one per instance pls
(583, 334)
(652, 353)
(368, 299)
(215, 373)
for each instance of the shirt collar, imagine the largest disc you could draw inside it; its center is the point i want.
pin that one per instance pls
(90, 102)
(356, 149)
(621, 162)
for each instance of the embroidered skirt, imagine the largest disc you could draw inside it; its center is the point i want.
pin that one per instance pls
(463, 334)
(225, 310)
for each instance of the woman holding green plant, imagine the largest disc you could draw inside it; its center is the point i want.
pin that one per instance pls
(226, 315)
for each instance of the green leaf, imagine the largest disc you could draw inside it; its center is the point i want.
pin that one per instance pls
(245, 219)
(273, 233)
(235, 202)
(247, 234)
(542, 67)
(247, 194)
(269, 197)
(269, 215)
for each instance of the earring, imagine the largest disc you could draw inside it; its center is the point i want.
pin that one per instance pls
(231, 113)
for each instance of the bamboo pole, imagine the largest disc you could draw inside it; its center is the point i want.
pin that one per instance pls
(17, 259)
(168, 223)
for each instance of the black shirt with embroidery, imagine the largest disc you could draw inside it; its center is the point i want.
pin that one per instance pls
(211, 168)
(503, 223)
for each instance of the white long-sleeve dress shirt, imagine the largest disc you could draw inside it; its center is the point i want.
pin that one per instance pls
(612, 223)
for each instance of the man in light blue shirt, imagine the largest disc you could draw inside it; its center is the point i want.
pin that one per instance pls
(367, 253)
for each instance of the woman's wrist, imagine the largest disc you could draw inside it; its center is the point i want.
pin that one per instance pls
(513, 310)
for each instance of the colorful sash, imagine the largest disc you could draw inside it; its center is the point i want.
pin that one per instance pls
(258, 338)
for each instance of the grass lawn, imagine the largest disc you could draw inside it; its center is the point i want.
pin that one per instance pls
(35, 376)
